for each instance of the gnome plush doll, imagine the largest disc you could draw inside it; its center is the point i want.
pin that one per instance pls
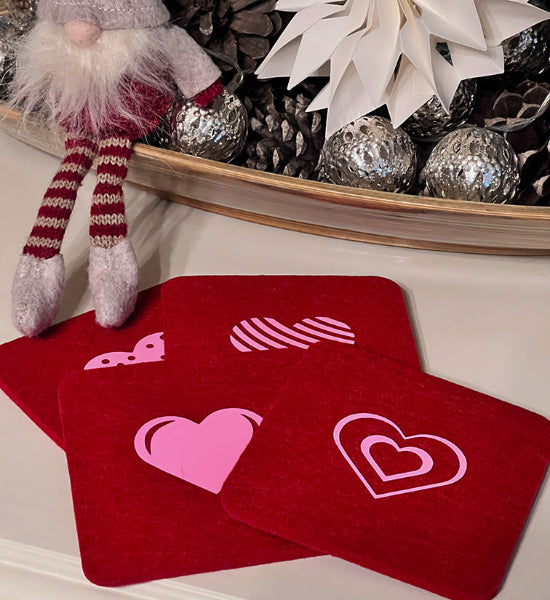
(106, 71)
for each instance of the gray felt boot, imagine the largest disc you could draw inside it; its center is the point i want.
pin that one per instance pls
(36, 293)
(114, 277)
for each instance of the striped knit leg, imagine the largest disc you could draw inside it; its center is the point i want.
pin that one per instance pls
(54, 213)
(113, 269)
(40, 274)
(108, 221)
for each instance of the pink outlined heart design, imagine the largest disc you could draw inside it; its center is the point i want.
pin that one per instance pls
(200, 453)
(427, 461)
(148, 349)
(267, 333)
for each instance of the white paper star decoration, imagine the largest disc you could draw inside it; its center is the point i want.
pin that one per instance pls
(379, 52)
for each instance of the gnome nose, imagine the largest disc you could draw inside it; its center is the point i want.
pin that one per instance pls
(82, 34)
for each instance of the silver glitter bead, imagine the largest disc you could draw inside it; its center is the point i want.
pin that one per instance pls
(473, 164)
(432, 121)
(217, 132)
(528, 52)
(369, 153)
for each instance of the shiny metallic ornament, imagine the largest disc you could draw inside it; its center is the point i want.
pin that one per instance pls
(8, 38)
(369, 153)
(23, 12)
(6, 66)
(528, 52)
(217, 132)
(431, 121)
(473, 164)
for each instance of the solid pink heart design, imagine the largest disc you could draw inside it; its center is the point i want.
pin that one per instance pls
(267, 333)
(427, 461)
(200, 453)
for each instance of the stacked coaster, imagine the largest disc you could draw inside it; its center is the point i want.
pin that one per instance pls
(274, 418)
(32, 368)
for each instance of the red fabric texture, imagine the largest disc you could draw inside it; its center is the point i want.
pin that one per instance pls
(201, 312)
(207, 96)
(31, 368)
(415, 477)
(136, 521)
(147, 104)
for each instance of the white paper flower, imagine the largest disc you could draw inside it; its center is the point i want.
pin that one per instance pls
(379, 52)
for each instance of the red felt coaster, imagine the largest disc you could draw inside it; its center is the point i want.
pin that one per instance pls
(398, 471)
(211, 318)
(31, 368)
(149, 448)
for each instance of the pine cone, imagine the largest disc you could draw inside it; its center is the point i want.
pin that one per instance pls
(242, 29)
(283, 138)
(508, 105)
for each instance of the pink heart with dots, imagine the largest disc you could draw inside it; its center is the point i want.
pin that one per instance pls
(148, 349)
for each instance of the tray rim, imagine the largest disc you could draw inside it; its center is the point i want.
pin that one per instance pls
(326, 192)
(339, 194)
(405, 206)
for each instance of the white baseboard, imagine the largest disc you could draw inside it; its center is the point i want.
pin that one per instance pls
(30, 573)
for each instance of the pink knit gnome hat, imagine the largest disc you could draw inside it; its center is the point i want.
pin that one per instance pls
(106, 14)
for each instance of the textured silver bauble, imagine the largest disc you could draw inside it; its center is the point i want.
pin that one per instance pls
(432, 121)
(5, 66)
(528, 52)
(8, 39)
(473, 164)
(23, 12)
(217, 132)
(370, 153)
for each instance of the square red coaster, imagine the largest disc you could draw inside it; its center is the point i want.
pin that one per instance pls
(380, 464)
(211, 318)
(31, 368)
(149, 448)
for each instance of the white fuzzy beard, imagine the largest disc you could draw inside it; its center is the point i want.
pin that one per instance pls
(55, 77)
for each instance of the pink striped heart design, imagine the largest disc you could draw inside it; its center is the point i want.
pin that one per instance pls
(267, 333)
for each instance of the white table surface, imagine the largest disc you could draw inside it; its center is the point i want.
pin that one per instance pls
(482, 321)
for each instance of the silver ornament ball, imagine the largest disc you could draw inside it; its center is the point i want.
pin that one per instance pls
(217, 132)
(22, 12)
(432, 121)
(8, 42)
(369, 153)
(528, 52)
(473, 164)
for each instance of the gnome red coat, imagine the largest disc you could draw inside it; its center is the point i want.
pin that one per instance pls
(106, 71)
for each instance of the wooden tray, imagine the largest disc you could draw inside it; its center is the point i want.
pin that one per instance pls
(323, 209)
